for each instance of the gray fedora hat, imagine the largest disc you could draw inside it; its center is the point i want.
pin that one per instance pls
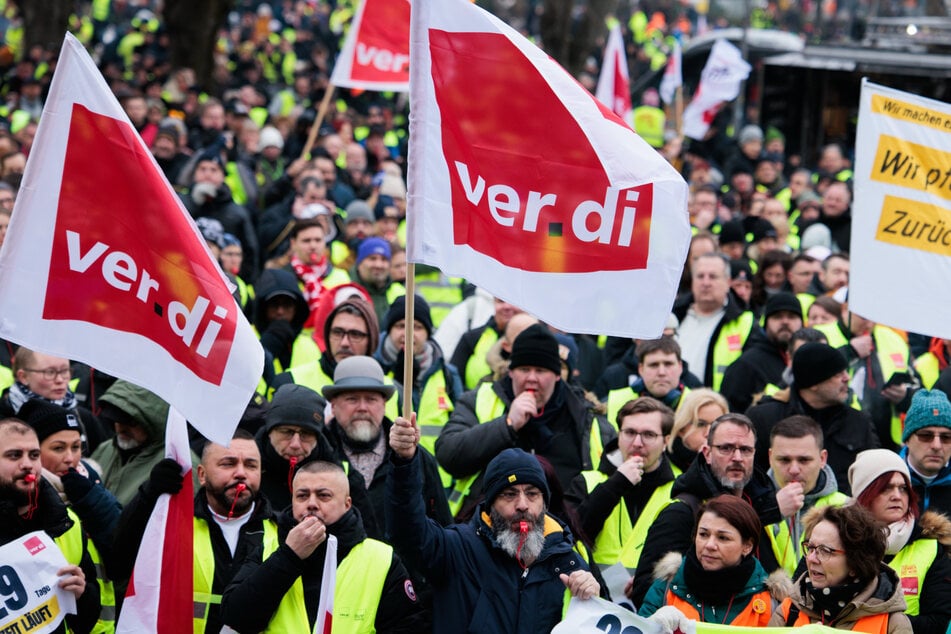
(356, 374)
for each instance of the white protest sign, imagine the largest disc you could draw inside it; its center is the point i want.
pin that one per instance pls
(598, 616)
(30, 597)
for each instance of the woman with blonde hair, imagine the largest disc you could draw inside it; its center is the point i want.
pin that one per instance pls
(698, 408)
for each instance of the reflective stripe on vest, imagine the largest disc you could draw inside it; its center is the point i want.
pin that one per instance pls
(875, 624)
(912, 564)
(107, 595)
(780, 539)
(729, 345)
(477, 367)
(756, 613)
(203, 576)
(360, 578)
(618, 540)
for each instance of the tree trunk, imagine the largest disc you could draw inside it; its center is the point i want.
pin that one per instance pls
(193, 33)
(570, 41)
(45, 22)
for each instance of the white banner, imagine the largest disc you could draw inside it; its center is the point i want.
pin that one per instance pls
(30, 597)
(901, 214)
(598, 616)
(720, 81)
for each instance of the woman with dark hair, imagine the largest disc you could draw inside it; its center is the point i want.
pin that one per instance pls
(917, 548)
(769, 278)
(846, 585)
(719, 580)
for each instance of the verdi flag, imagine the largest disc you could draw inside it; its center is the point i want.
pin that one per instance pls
(614, 82)
(525, 184)
(375, 54)
(901, 217)
(102, 264)
(673, 75)
(720, 81)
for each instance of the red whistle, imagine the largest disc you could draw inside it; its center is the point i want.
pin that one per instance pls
(239, 488)
(29, 477)
(523, 527)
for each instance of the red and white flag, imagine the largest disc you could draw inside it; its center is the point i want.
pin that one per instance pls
(102, 263)
(720, 81)
(614, 82)
(159, 597)
(673, 75)
(375, 54)
(525, 184)
(328, 585)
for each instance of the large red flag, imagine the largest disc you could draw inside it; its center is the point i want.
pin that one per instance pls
(525, 184)
(103, 264)
(375, 54)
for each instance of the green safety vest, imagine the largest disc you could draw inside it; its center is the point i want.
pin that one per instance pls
(477, 367)
(780, 538)
(912, 564)
(6, 377)
(107, 595)
(360, 578)
(618, 397)
(729, 345)
(313, 376)
(619, 540)
(441, 292)
(805, 300)
(649, 124)
(927, 366)
(203, 574)
(432, 414)
(339, 254)
(489, 407)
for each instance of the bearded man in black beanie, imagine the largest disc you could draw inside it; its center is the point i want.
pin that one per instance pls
(820, 390)
(531, 408)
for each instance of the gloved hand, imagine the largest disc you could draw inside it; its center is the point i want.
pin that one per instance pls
(278, 336)
(76, 485)
(166, 477)
(673, 620)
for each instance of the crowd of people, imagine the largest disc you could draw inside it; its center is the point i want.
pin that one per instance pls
(772, 459)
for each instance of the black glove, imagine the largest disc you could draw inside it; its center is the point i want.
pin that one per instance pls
(278, 337)
(76, 485)
(166, 477)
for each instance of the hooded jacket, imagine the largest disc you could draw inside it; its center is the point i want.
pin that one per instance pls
(846, 431)
(672, 530)
(235, 219)
(279, 336)
(478, 587)
(934, 495)
(760, 364)
(882, 595)
(123, 471)
(934, 606)
(256, 591)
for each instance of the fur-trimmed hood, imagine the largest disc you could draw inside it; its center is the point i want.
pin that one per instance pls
(778, 582)
(937, 526)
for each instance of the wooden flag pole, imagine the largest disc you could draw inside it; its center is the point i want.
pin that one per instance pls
(321, 113)
(408, 351)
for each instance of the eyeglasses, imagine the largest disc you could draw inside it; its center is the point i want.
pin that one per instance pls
(50, 373)
(929, 436)
(646, 436)
(822, 552)
(728, 450)
(287, 433)
(356, 336)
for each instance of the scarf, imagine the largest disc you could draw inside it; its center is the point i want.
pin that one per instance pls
(898, 534)
(19, 394)
(310, 275)
(716, 587)
(828, 602)
(422, 360)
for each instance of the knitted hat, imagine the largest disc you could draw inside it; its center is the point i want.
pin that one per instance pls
(536, 346)
(397, 312)
(359, 210)
(929, 408)
(358, 374)
(271, 137)
(513, 466)
(298, 405)
(211, 230)
(870, 464)
(760, 229)
(813, 363)
(373, 246)
(47, 418)
(732, 231)
(740, 270)
(781, 301)
(750, 133)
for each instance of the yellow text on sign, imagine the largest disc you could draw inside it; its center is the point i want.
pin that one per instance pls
(906, 164)
(909, 223)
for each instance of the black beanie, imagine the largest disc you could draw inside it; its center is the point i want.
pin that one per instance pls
(397, 312)
(513, 466)
(782, 301)
(814, 363)
(298, 405)
(536, 346)
(48, 418)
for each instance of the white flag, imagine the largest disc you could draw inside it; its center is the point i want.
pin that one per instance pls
(614, 82)
(720, 82)
(673, 75)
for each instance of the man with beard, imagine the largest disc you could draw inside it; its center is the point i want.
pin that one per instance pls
(280, 591)
(618, 502)
(359, 431)
(231, 520)
(726, 467)
(504, 571)
(29, 503)
(766, 355)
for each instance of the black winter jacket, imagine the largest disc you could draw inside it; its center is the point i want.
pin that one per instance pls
(761, 363)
